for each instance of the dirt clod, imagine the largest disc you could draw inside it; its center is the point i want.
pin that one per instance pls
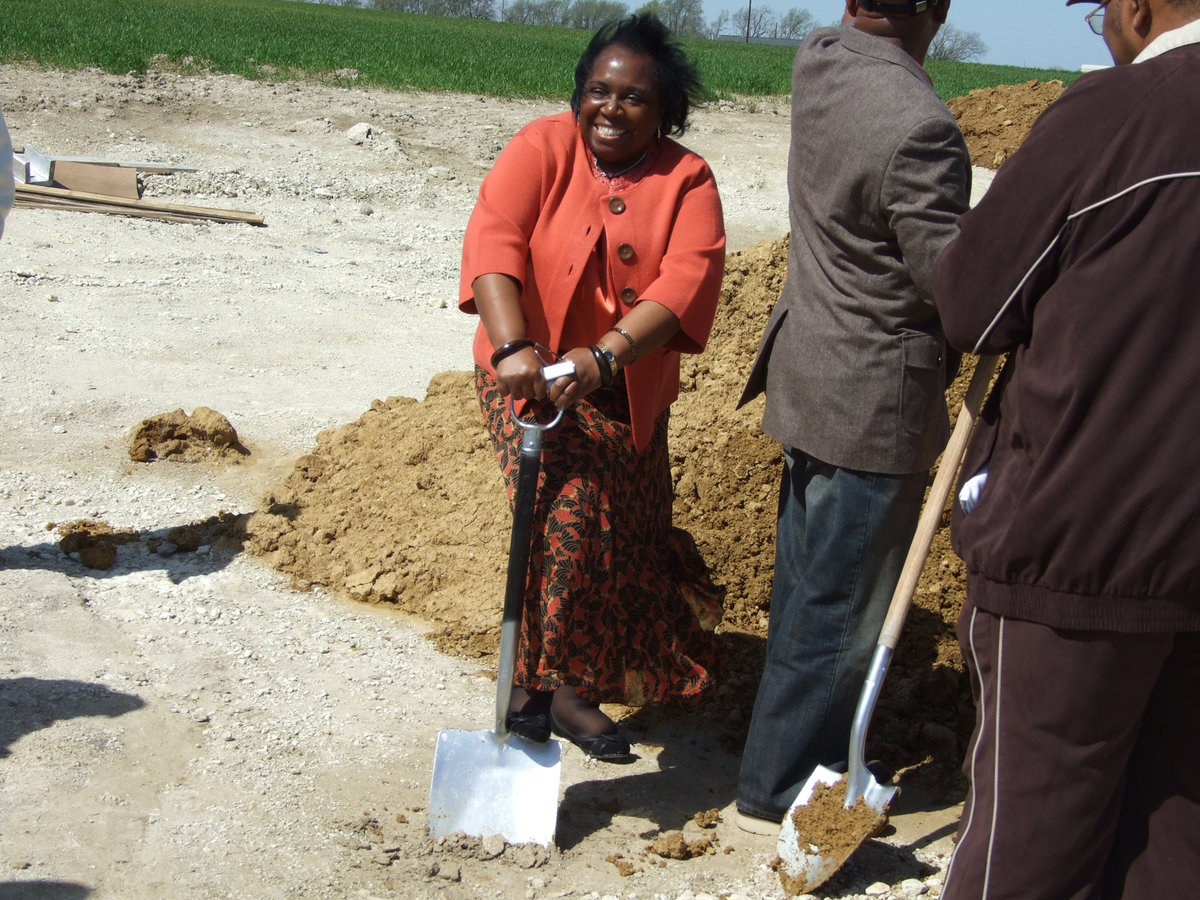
(94, 542)
(675, 846)
(205, 434)
(622, 865)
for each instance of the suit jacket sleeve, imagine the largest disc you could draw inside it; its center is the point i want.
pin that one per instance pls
(922, 213)
(1006, 254)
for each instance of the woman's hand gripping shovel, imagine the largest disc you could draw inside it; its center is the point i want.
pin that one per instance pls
(495, 782)
(811, 855)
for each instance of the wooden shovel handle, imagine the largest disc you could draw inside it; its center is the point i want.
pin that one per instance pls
(931, 514)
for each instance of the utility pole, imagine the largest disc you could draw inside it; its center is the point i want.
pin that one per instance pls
(749, 9)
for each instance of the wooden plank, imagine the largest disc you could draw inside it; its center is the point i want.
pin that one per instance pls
(101, 198)
(69, 206)
(112, 181)
(151, 168)
(37, 195)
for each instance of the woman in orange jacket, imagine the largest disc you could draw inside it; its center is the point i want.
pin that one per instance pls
(599, 240)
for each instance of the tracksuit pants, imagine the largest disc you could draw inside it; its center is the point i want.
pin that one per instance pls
(1084, 765)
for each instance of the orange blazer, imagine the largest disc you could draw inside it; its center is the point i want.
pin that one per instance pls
(540, 214)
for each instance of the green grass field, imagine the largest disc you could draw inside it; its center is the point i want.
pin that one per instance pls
(282, 39)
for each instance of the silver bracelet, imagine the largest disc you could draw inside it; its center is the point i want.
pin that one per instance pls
(629, 337)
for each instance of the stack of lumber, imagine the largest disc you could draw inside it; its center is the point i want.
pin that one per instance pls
(35, 195)
(104, 186)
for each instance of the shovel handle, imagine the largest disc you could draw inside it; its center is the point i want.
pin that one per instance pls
(524, 501)
(935, 503)
(859, 778)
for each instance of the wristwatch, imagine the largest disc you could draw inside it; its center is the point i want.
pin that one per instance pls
(609, 357)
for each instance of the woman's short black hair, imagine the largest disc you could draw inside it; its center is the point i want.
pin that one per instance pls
(678, 81)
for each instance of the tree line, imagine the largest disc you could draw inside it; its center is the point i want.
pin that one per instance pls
(685, 18)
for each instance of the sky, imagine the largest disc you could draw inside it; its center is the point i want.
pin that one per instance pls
(1043, 34)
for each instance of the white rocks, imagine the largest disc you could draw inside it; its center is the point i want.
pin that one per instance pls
(360, 133)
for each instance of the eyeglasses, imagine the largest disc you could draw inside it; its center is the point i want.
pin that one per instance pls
(1095, 19)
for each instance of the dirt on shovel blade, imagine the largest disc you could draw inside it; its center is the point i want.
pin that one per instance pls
(827, 829)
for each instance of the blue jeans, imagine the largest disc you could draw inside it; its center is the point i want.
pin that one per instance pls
(840, 545)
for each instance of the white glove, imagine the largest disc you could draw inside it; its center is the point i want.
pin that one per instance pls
(972, 489)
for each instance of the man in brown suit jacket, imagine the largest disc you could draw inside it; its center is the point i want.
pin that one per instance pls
(853, 363)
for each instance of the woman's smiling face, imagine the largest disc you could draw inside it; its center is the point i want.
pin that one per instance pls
(619, 109)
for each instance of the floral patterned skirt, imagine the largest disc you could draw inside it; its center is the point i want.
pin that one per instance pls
(618, 602)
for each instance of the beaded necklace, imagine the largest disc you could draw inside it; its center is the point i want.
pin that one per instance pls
(611, 175)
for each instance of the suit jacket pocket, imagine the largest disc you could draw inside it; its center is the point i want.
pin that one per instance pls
(921, 391)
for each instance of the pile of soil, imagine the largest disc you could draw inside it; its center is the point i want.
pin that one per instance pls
(995, 121)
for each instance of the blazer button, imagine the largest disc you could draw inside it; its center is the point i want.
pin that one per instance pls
(628, 296)
(617, 205)
(625, 251)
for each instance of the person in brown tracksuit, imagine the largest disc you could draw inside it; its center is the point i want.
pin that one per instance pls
(1079, 518)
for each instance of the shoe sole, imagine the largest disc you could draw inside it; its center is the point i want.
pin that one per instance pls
(755, 825)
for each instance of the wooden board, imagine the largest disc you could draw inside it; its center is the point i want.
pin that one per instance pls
(112, 181)
(152, 168)
(32, 195)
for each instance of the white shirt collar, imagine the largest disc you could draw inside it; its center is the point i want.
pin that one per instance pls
(1171, 40)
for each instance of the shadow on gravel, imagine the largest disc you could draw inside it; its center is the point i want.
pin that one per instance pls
(94, 549)
(878, 861)
(42, 890)
(695, 775)
(28, 704)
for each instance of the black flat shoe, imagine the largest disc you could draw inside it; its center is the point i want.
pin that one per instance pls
(533, 726)
(609, 746)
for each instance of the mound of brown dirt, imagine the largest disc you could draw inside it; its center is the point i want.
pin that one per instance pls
(205, 434)
(995, 121)
(405, 506)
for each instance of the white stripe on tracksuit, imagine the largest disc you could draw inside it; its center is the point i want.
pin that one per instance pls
(995, 738)
(1053, 241)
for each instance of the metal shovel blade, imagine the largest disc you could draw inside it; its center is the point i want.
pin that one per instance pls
(484, 785)
(809, 860)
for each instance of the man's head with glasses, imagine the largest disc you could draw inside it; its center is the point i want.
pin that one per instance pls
(1132, 25)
